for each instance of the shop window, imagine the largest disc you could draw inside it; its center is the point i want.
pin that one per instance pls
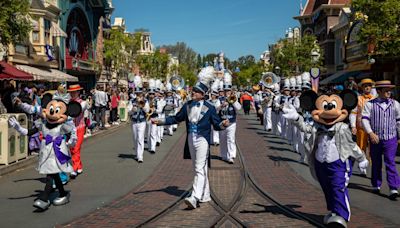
(35, 31)
(47, 26)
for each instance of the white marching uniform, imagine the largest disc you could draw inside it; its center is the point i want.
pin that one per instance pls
(152, 131)
(138, 119)
(266, 105)
(214, 133)
(293, 130)
(171, 103)
(227, 136)
(160, 129)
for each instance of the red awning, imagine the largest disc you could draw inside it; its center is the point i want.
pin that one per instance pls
(8, 71)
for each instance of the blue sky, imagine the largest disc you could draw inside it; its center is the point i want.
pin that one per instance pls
(236, 27)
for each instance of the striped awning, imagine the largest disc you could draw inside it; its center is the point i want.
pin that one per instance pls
(47, 74)
(57, 31)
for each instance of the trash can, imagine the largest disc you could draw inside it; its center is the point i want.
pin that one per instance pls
(22, 140)
(8, 140)
(122, 111)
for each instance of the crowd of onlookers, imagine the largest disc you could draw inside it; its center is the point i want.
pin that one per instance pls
(100, 101)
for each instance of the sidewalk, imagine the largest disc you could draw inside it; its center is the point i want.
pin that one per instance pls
(273, 165)
(32, 159)
(109, 173)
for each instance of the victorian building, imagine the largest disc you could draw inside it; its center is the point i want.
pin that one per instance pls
(40, 54)
(84, 21)
(319, 17)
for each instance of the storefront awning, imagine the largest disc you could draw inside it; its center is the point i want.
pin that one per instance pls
(47, 74)
(57, 31)
(8, 71)
(342, 76)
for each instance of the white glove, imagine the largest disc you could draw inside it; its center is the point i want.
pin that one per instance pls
(15, 124)
(363, 165)
(71, 142)
(290, 112)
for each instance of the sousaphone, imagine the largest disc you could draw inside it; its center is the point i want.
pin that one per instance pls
(177, 82)
(269, 79)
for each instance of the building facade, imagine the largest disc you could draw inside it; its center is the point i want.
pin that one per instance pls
(82, 20)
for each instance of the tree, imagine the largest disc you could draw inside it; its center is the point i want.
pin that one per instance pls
(185, 54)
(153, 65)
(381, 25)
(15, 24)
(295, 57)
(119, 49)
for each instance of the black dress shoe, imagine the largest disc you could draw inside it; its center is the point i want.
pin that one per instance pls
(152, 152)
(157, 144)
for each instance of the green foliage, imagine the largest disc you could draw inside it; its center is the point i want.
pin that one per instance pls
(184, 53)
(249, 74)
(154, 65)
(381, 25)
(294, 57)
(14, 21)
(120, 49)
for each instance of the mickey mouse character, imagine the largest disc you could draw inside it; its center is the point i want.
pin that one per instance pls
(54, 155)
(330, 148)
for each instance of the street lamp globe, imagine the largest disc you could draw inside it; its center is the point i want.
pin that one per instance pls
(315, 55)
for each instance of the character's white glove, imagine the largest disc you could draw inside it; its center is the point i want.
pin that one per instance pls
(363, 165)
(15, 124)
(71, 142)
(290, 113)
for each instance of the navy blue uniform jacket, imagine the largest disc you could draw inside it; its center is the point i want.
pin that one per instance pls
(208, 117)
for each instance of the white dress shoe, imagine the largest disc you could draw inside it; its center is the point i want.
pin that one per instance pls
(191, 202)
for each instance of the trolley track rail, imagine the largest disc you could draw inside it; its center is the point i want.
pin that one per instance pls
(228, 213)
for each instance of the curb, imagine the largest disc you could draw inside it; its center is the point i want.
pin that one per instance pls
(30, 160)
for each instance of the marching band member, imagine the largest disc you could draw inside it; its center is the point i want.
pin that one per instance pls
(216, 102)
(280, 102)
(171, 104)
(266, 104)
(381, 121)
(137, 109)
(199, 115)
(152, 129)
(228, 111)
(159, 109)
(276, 127)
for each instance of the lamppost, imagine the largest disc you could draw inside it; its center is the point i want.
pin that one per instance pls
(315, 71)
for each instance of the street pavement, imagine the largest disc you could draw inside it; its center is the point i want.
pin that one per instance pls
(109, 173)
(291, 182)
(117, 191)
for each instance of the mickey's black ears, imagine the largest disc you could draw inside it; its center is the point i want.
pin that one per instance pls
(46, 99)
(74, 109)
(307, 100)
(350, 99)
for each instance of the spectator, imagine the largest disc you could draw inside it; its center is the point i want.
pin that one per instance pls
(114, 107)
(3, 109)
(100, 105)
(247, 101)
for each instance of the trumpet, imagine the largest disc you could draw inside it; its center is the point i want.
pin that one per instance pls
(232, 99)
(151, 111)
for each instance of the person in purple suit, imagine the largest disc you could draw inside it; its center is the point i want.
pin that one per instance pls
(381, 121)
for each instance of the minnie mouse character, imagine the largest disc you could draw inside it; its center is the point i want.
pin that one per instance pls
(330, 148)
(54, 155)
